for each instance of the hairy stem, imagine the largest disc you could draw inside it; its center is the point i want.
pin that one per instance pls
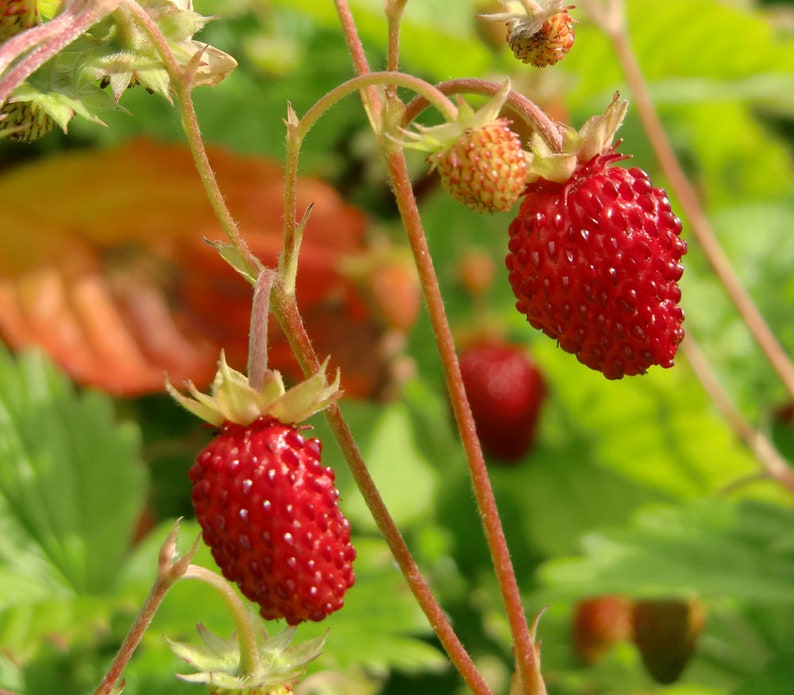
(522, 107)
(286, 310)
(182, 87)
(773, 463)
(526, 661)
(169, 571)
(47, 40)
(369, 96)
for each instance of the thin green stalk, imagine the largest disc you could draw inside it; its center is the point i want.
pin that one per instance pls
(246, 637)
(773, 463)
(523, 640)
(298, 128)
(516, 102)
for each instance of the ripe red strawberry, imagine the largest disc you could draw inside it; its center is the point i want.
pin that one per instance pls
(594, 263)
(666, 632)
(484, 168)
(545, 45)
(505, 391)
(267, 506)
(480, 160)
(268, 510)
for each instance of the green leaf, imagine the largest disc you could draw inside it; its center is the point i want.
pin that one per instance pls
(406, 479)
(71, 485)
(381, 625)
(713, 548)
(776, 678)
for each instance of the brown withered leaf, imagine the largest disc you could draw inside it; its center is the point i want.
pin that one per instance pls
(103, 264)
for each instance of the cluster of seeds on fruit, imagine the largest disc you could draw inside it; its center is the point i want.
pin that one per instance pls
(485, 169)
(544, 46)
(594, 263)
(269, 511)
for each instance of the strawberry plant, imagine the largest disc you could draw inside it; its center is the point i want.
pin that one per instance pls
(217, 209)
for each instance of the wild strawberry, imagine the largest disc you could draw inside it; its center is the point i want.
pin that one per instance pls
(594, 257)
(505, 391)
(599, 623)
(267, 507)
(479, 159)
(538, 33)
(545, 46)
(484, 168)
(269, 512)
(666, 632)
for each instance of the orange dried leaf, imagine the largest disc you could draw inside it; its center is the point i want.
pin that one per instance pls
(103, 264)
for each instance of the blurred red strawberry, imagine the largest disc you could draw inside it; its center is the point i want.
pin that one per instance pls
(113, 278)
(505, 391)
(600, 623)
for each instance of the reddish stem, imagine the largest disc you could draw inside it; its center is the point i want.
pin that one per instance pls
(524, 647)
(524, 108)
(286, 310)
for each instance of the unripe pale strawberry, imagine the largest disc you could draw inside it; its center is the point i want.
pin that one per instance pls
(480, 159)
(24, 121)
(485, 168)
(17, 15)
(21, 121)
(542, 46)
(539, 32)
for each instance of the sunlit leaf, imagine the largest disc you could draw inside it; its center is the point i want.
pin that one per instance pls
(712, 548)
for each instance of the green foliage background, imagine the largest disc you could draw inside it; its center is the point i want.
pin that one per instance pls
(631, 487)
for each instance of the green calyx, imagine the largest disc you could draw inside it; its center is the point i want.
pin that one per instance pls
(595, 137)
(217, 662)
(234, 399)
(440, 138)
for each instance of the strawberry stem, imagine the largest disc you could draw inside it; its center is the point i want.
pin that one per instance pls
(524, 646)
(252, 266)
(170, 569)
(298, 128)
(46, 40)
(524, 108)
(286, 310)
(246, 636)
(257, 342)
